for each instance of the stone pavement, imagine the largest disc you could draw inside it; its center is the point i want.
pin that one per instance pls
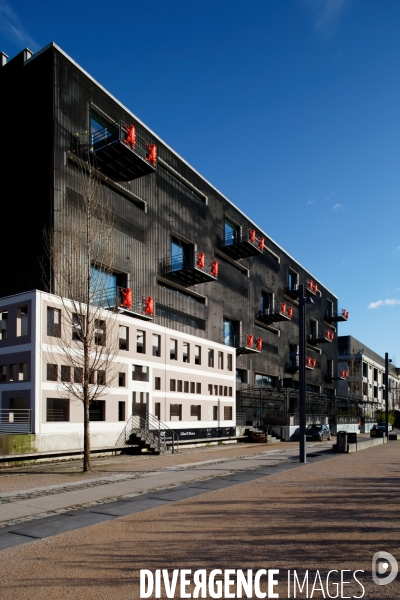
(333, 513)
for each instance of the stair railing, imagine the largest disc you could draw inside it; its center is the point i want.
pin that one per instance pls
(151, 429)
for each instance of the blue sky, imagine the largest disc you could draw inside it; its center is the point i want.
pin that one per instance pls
(290, 107)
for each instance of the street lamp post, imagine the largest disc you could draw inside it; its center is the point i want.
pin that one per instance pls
(302, 371)
(387, 394)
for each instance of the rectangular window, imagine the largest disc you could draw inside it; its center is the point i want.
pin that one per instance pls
(179, 385)
(266, 303)
(3, 373)
(78, 322)
(175, 412)
(210, 358)
(329, 310)
(227, 413)
(53, 322)
(186, 352)
(99, 332)
(140, 373)
(123, 337)
(365, 369)
(78, 375)
(57, 409)
(156, 345)
(192, 387)
(231, 233)
(376, 375)
(157, 383)
(220, 390)
(215, 390)
(365, 388)
(197, 355)
(229, 361)
(231, 329)
(173, 349)
(186, 387)
(101, 377)
(157, 410)
(121, 411)
(140, 342)
(241, 376)
(313, 329)
(225, 390)
(121, 381)
(97, 410)
(23, 372)
(22, 321)
(172, 385)
(12, 372)
(220, 360)
(262, 380)
(215, 413)
(293, 281)
(65, 373)
(3, 324)
(198, 388)
(52, 372)
(195, 411)
(230, 392)
(210, 389)
(329, 367)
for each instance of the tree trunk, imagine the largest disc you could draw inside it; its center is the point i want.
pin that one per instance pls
(86, 438)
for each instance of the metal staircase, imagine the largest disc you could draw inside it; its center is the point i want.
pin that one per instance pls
(149, 433)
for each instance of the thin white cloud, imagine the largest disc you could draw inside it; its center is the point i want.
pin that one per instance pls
(338, 208)
(311, 202)
(388, 302)
(326, 14)
(12, 28)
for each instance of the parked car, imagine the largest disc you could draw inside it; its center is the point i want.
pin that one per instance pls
(318, 432)
(382, 427)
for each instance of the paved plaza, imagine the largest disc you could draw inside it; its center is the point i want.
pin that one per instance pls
(242, 507)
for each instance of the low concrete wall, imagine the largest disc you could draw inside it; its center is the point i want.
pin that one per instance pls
(24, 444)
(349, 427)
(364, 444)
(366, 427)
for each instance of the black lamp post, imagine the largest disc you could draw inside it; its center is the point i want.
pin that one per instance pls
(387, 361)
(303, 300)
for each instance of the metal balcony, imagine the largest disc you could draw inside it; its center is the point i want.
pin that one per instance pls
(121, 153)
(342, 377)
(327, 338)
(126, 301)
(241, 244)
(311, 363)
(188, 271)
(279, 311)
(248, 344)
(310, 287)
(342, 315)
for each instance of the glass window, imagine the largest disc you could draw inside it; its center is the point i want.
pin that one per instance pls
(210, 358)
(140, 342)
(230, 331)
(179, 385)
(3, 373)
(192, 387)
(173, 349)
(210, 389)
(65, 373)
(23, 372)
(57, 409)
(101, 377)
(140, 373)
(198, 388)
(22, 321)
(52, 372)
(121, 380)
(172, 385)
(53, 322)
(78, 375)
(121, 411)
(157, 383)
(241, 376)
(215, 413)
(229, 360)
(197, 355)
(186, 387)
(156, 345)
(177, 255)
(220, 360)
(123, 337)
(195, 411)
(99, 332)
(103, 287)
(227, 413)
(175, 412)
(186, 352)
(3, 324)
(97, 410)
(262, 380)
(266, 303)
(292, 280)
(230, 232)
(78, 322)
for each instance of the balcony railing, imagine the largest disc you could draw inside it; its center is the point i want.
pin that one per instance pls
(188, 271)
(125, 300)
(279, 311)
(311, 363)
(15, 421)
(121, 153)
(245, 344)
(311, 289)
(342, 315)
(343, 376)
(241, 243)
(328, 337)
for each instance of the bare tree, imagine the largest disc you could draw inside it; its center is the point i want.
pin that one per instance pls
(81, 258)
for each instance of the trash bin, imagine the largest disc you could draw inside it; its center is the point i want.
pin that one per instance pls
(352, 438)
(342, 441)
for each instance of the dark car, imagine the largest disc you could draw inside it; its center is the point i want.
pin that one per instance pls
(381, 427)
(318, 432)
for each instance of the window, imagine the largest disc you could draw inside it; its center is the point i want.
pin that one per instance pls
(210, 358)
(181, 254)
(23, 372)
(241, 376)
(101, 377)
(186, 387)
(173, 349)
(52, 372)
(227, 413)
(156, 345)
(198, 388)
(53, 322)
(262, 380)
(123, 337)
(121, 381)
(179, 385)
(220, 360)
(220, 390)
(313, 329)
(231, 330)
(78, 375)
(375, 391)
(229, 361)
(210, 389)
(97, 410)
(365, 388)
(293, 280)
(329, 309)
(175, 412)
(57, 409)
(65, 373)
(376, 375)
(231, 232)
(3, 373)
(215, 390)
(230, 392)
(266, 303)
(12, 372)
(140, 373)
(157, 410)
(157, 383)
(172, 385)
(140, 342)
(197, 355)
(186, 352)
(365, 369)
(329, 368)
(121, 411)
(22, 321)
(3, 324)
(78, 322)
(215, 413)
(99, 332)
(192, 387)
(225, 390)
(139, 398)
(195, 412)
(293, 356)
